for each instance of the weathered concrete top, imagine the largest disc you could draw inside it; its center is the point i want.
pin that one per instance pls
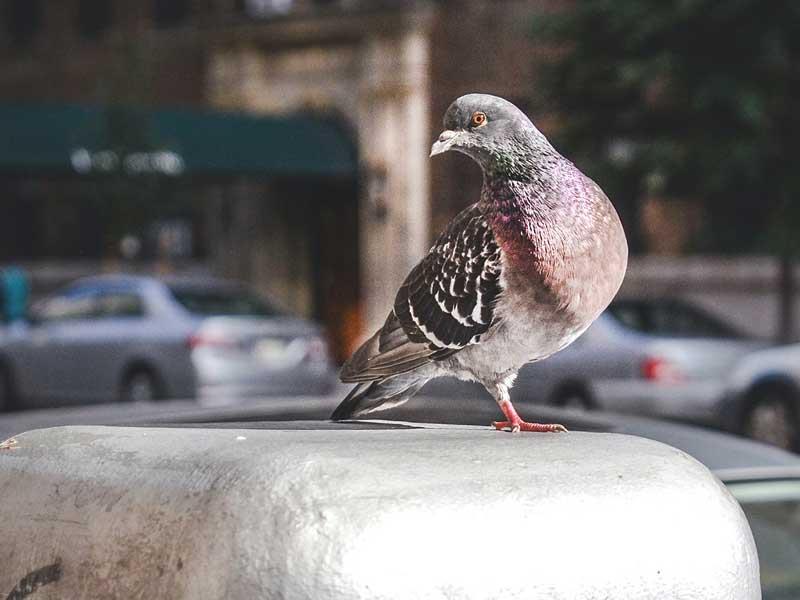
(458, 512)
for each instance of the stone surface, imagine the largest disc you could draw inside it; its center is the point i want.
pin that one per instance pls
(446, 512)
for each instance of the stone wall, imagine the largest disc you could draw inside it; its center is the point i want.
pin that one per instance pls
(371, 71)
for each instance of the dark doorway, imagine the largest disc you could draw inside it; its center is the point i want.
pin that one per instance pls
(324, 211)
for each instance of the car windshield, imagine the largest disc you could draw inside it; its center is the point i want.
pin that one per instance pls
(670, 318)
(773, 510)
(210, 301)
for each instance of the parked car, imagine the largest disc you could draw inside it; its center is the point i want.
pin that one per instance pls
(764, 396)
(664, 358)
(136, 338)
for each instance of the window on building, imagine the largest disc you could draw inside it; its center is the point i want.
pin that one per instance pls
(94, 17)
(260, 9)
(22, 19)
(170, 13)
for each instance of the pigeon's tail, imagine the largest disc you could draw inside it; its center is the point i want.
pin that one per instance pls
(379, 395)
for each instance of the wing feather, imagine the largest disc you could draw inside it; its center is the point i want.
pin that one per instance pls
(445, 304)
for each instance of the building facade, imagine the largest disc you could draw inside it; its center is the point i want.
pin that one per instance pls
(334, 247)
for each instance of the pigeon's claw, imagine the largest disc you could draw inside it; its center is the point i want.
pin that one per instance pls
(516, 426)
(515, 422)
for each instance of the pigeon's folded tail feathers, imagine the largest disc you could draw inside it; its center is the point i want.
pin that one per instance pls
(378, 395)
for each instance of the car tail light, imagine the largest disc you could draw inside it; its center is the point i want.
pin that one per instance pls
(660, 369)
(209, 340)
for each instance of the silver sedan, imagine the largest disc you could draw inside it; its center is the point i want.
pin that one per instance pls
(663, 358)
(137, 338)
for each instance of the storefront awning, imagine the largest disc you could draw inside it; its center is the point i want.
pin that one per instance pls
(95, 140)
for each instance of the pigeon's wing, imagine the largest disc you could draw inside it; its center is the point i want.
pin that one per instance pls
(445, 304)
(448, 300)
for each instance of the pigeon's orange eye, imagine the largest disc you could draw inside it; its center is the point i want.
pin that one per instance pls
(478, 119)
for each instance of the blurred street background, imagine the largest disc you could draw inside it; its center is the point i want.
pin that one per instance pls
(283, 145)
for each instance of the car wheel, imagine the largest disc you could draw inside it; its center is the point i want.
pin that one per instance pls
(140, 386)
(772, 418)
(6, 389)
(574, 399)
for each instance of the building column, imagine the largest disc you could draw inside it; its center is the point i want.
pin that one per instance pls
(394, 147)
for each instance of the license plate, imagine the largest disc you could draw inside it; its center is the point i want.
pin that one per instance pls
(271, 350)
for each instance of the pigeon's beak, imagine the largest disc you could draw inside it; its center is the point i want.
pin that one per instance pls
(446, 140)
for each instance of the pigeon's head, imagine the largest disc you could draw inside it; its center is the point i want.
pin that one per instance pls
(488, 129)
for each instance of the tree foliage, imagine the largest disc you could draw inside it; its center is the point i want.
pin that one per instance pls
(695, 99)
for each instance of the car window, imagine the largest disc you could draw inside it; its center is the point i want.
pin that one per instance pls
(66, 307)
(630, 315)
(222, 302)
(90, 303)
(113, 304)
(672, 318)
(773, 511)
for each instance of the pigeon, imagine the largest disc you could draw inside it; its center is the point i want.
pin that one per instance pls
(514, 278)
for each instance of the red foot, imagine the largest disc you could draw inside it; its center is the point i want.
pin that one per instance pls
(525, 426)
(515, 422)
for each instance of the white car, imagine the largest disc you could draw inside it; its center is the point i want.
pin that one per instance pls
(133, 338)
(764, 396)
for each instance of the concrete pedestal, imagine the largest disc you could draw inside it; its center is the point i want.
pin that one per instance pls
(453, 512)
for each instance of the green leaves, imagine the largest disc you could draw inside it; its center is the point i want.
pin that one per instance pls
(706, 91)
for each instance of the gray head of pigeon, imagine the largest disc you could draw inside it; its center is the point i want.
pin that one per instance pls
(495, 134)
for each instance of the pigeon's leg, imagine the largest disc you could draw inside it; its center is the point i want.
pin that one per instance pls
(515, 422)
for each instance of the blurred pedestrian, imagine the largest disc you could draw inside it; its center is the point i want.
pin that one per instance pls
(14, 293)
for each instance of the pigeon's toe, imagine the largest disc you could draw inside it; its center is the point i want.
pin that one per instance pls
(515, 426)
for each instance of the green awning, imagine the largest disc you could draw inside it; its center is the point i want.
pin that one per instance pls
(100, 140)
